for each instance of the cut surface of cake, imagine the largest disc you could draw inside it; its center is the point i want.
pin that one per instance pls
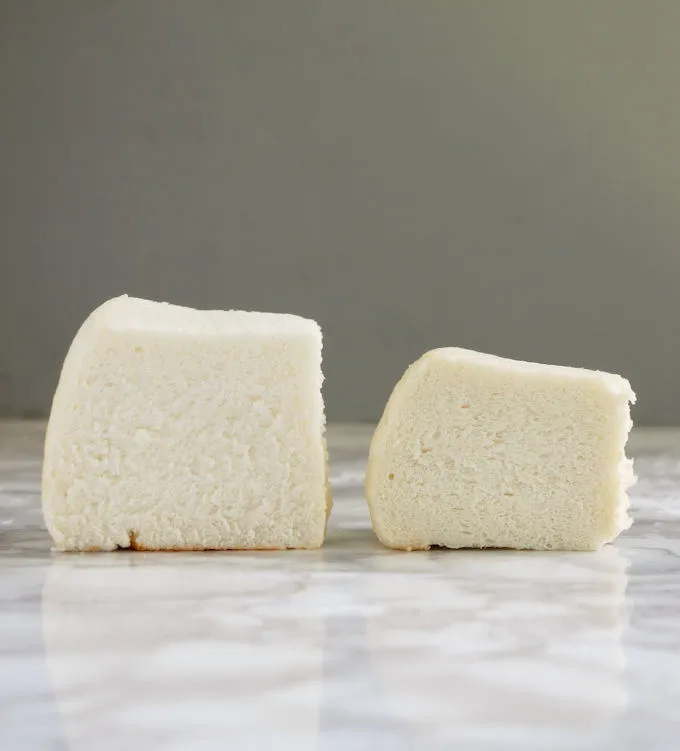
(477, 451)
(174, 428)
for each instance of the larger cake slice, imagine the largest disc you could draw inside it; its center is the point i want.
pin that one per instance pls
(174, 429)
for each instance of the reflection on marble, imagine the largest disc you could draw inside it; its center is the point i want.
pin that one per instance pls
(350, 647)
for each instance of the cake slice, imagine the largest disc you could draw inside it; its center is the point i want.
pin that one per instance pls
(476, 451)
(179, 429)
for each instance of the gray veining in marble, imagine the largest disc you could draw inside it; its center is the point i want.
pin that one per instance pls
(350, 647)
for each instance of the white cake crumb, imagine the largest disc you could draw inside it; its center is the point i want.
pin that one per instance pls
(477, 451)
(174, 429)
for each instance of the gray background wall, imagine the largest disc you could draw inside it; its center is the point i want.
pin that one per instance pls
(498, 175)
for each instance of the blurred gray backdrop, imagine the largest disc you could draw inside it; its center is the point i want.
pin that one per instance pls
(497, 175)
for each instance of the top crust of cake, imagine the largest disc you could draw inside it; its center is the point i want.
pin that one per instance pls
(134, 314)
(616, 384)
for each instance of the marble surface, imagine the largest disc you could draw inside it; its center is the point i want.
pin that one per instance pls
(350, 647)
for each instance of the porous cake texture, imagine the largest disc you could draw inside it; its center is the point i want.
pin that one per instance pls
(477, 451)
(179, 429)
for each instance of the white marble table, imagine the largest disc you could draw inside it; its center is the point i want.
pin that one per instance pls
(351, 647)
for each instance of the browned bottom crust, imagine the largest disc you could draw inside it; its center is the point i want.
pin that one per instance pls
(142, 549)
(134, 545)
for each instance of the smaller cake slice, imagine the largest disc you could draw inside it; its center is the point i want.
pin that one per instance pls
(477, 451)
(175, 429)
